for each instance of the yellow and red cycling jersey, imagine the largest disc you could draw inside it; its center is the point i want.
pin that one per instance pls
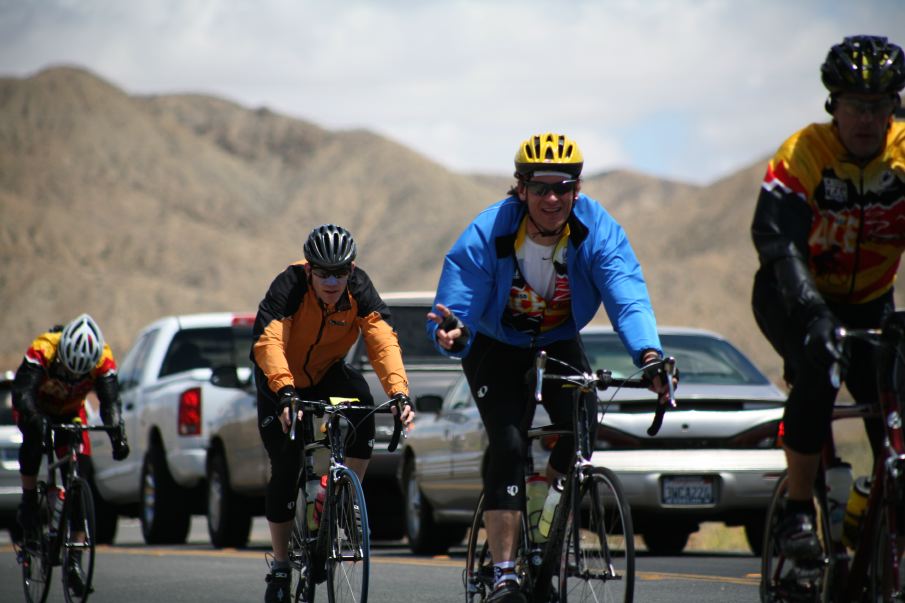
(857, 230)
(58, 396)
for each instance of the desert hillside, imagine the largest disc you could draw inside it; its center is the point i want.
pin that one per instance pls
(131, 208)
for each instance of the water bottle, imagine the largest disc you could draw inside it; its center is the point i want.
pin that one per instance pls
(855, 510)
(317, 496)
(553, 496)
(838, 486)
(57, 497)
(312, 488)
(536, 493)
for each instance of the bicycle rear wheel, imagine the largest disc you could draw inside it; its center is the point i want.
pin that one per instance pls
(478, 575)
(348, 558)
(598, 554)
(78, 542)
(780, 580)
(33, 554)
(301, 552)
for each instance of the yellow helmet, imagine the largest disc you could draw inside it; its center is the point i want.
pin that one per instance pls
(544, 151)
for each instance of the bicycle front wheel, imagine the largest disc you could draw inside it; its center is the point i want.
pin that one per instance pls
(78, 541)
(780, 580)
(350, 543)
(884, 576)
(598, 554)
(34, 553)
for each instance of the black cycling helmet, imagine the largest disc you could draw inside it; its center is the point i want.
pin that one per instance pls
(330, 247)
(864, 64)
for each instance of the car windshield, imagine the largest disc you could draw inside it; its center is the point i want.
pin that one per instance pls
(208, 348)
(416, 346)
(701, 358)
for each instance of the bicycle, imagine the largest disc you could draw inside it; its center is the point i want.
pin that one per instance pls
(874, 569)
(64, 532)
(589, 552)
(342, 541)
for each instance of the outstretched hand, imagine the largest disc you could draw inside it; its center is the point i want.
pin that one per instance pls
(451, 332)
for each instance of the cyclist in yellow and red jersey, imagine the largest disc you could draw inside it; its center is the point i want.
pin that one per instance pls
(829, 229)
(312, 314)
(60, 367)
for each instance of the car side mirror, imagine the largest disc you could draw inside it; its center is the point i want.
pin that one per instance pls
(429, 403)
(231, 376)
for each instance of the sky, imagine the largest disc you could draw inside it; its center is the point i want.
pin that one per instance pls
(690, 90)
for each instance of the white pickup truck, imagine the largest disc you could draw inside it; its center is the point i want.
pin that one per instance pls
(169, 400)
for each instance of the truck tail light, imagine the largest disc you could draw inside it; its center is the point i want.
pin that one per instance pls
(190, 412)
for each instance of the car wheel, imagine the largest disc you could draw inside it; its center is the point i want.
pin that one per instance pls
(754, 534)
(105, 514)
(163, 513)
(228, 518)
(666, 541)
(425, 536)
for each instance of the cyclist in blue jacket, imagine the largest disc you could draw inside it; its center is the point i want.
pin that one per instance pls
(526, 275)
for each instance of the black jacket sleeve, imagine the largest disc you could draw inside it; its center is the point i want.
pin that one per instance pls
(25, 388)
(780, 232)
(107, 388)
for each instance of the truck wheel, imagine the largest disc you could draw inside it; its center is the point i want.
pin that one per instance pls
(426, 537)
(667, 541)
(754, 533)
(228, 517)
(164, 513)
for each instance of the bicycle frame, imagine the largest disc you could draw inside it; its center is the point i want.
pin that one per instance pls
(887, 492)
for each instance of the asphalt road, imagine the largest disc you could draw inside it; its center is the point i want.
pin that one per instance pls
(131, 572)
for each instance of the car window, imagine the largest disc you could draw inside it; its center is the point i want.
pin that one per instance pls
(6, 403)
(701, 358)
(208, 348)
(459, 397)
(416, 346)
(135, 359)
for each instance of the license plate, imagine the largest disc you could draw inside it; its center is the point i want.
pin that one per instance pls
(696, 490)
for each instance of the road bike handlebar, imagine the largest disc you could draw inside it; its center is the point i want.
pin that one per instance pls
(320, 407)
(603, 379)
(871, 336)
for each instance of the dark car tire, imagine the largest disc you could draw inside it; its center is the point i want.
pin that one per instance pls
(426, 537)
(228, 515)
(163, 511)
(754, 534)
(106, 518)
(666, 541)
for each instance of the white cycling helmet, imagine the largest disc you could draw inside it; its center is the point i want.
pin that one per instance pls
(81, 345)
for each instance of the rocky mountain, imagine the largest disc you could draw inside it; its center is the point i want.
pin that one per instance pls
(133, 207)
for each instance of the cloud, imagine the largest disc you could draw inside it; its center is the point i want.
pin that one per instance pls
(690, 90)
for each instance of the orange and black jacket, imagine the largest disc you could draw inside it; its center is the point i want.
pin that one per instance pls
(42, 386)
(297, 338)
(831, 229)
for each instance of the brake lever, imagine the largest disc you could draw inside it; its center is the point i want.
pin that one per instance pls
(540, 364)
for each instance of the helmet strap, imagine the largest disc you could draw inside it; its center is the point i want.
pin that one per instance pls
(547, 233)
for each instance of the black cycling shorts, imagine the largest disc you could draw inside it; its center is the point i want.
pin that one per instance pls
(496, 376)
(808, 413)
(340, 380)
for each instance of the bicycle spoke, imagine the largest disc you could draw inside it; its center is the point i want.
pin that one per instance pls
(348, 561)
(34, 556)
(301, 548)
(598, 557)
(78, 542)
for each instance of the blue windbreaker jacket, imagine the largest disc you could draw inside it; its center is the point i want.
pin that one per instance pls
(602, 267)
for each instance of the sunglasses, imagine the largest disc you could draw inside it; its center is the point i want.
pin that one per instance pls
(856, 107)
(338, 274)
(542, 189)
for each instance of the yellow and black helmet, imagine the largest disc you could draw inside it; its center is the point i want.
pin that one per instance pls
(548, 151)
(864, 64)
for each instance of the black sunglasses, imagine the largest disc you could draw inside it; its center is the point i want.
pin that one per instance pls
(543, 189)
(339, 273)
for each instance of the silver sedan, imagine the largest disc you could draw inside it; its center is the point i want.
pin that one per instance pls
(716, 458)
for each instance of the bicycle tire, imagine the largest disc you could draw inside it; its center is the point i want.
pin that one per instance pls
(478, 575)
(778, 582)
(598, 554)
(348, 557)
(34, 553)
(301, 552)
(881, 580)
(78, 513)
